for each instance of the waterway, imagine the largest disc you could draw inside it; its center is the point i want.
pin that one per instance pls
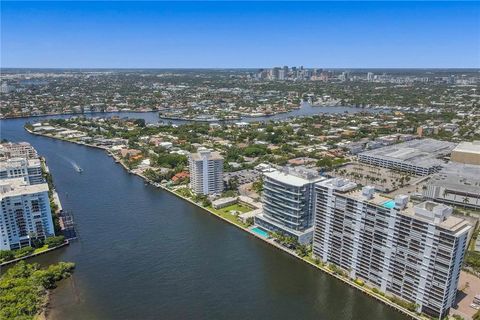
(304, 110)
(143, 253)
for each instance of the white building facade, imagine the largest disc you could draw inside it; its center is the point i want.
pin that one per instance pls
(412, 252)
(206, 172)
(25, 213)
(28, 169)
(288, 203)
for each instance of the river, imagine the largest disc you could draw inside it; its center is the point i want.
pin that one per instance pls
(143, 253)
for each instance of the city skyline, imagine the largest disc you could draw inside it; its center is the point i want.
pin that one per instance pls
(240, 35)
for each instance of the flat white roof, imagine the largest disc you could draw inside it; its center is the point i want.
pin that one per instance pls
(291, 179)
(470, 147)
(17, 186)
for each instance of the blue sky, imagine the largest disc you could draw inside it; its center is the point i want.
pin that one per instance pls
(240, 34)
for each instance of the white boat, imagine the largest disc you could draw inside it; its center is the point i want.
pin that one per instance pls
(77, 168)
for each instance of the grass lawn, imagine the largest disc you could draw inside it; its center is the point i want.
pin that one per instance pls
(41, 249)
(185, 192)
(225, 213)
(235, 207)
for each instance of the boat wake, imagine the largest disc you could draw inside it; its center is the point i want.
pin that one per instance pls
(74, 164)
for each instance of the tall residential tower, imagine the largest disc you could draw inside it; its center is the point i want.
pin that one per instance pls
(288, 202)
(414, 252)
(206, 172)
(24, 213)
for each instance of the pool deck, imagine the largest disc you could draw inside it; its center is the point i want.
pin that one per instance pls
(259, 231)
(389, 204)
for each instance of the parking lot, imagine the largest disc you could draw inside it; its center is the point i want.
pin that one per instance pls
(384, 180)
(469, 287)
(243, 176)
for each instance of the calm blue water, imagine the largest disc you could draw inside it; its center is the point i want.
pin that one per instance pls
(143, 253)
(389, 204)
(260, 232)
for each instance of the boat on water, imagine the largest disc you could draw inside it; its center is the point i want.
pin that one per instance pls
(77, 168)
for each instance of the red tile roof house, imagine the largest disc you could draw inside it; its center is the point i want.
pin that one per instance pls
(129, 152)
(180, 176)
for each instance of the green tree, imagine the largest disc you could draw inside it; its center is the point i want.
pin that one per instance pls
(54, 241)
(6, 255)
(24, 286)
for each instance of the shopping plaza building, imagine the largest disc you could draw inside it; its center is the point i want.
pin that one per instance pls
(419, 157)
(456, 184)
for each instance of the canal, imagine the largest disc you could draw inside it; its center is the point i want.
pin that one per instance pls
(143, 253)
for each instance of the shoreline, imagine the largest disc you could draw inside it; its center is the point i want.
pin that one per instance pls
(71, 114)
(6, 263)
(56, 199)
(271, 242)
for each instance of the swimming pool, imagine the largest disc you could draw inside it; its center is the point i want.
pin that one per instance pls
(260, 232)
(389, 204)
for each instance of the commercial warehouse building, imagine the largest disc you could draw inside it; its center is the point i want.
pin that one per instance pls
(412, 252)
(467, 152)
(457, 184)
(419, 157)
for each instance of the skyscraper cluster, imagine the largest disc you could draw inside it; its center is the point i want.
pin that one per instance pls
(293, 73)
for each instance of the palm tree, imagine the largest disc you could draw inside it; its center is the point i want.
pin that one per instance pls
(466, 200)
(445, 193)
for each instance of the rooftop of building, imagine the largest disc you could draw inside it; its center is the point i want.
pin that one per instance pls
(339, 184)
(17, 187)
(295, 176)
(458, 176)
(420, 152)
(203, 153)
(16, 162)
(428, 211)
(14, 144)
(470, 147)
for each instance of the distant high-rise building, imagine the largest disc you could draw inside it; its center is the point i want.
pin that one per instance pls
(274, 73)
(414, 252)
(206, 172)
(370, 76)
(25, 213)
(288, 204)
(344, 76)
